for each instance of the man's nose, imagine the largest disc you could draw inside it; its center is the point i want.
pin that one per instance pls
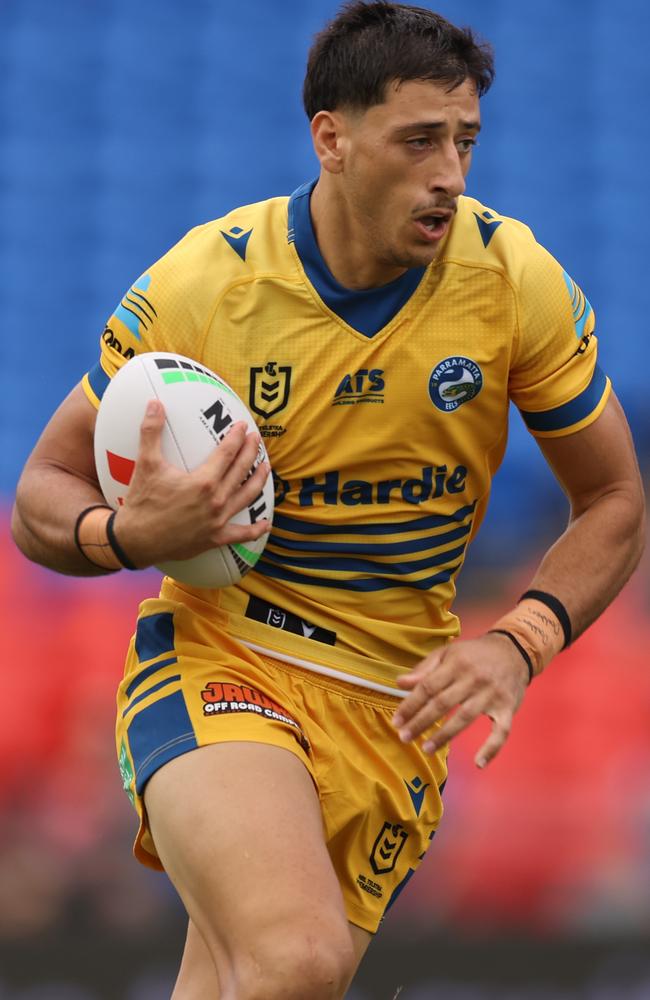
(448, 173)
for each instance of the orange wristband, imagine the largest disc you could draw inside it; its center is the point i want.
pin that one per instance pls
(91, 537)
(536, 629)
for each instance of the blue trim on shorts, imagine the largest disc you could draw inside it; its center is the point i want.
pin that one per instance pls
(151, 690)
(154, 636)
(398, 888)
(147, 672)
(157, 734)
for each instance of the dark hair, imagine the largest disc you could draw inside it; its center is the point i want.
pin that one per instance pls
(369, 44)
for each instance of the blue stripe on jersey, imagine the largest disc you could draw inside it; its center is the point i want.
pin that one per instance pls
(154, 636)
(367, 310)
(142, 676)
(580, 304)
(580, 323)
(133, 317)
(365, 566)
(158, 733)
(279, 573)
(572, 412)
(298, 526)
(371, 548)
(98, 380)
(151, 690)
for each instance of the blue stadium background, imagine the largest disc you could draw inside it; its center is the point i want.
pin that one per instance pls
(123, 123)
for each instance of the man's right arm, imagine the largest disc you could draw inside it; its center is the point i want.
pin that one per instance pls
(168, 514)
(58, 482)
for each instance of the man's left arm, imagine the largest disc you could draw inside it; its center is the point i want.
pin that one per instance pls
(583, 570)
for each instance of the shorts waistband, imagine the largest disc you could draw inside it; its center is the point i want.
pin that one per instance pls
(329, 679)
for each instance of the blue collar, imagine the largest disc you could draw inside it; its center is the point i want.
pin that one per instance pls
(368, 310)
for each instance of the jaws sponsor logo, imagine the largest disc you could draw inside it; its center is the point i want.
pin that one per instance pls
(364, 386)
(433, 482)
(222, 698)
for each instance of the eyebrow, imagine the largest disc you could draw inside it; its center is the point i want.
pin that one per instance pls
(469, 126)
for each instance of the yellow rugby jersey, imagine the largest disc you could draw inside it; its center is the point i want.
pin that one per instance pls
(384, 411)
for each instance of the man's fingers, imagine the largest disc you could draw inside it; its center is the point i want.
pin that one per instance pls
(494, 742)
(410, 679)
(244, 532)
(151, 430)
(463, 717)
(426, 682)
(242, 463)
(432, 710)
(246, 493)
(219, 461)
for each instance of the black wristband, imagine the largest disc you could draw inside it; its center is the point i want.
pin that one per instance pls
(115, 545)
(515, 641)
(555, 605)
(77, 525)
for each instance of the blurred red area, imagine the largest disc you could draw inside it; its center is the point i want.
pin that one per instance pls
(554, 834)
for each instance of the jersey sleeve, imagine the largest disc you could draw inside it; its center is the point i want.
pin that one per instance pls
(555, 380)
(163, 310)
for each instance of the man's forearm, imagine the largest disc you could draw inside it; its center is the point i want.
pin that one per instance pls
(592, 560)
(48, 502)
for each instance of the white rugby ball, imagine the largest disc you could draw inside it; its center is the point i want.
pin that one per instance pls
(200, 408)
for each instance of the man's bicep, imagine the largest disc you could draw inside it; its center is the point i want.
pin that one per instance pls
(67, 440)
(596, 460)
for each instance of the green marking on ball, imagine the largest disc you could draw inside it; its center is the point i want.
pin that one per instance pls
(246, 554)
(169, 378)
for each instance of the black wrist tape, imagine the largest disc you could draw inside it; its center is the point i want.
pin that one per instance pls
(555, 605)
(115, 545)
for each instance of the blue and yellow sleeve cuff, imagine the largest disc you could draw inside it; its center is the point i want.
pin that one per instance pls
(94, 384)
(573, 415)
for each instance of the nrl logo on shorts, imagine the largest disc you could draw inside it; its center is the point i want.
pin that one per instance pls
(387, 847)
(269, 389)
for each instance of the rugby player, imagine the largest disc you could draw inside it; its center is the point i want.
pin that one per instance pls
(284, 741)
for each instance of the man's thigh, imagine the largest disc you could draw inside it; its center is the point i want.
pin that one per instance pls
(239, 831)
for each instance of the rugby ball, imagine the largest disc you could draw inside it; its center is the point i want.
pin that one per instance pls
(200, 408)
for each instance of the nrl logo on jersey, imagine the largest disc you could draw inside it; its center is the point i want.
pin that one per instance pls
(269, 393)
(453, 382)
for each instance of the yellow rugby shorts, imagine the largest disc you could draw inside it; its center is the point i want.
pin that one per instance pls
(188, 684)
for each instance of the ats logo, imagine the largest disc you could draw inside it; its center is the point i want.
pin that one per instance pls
(364, 386)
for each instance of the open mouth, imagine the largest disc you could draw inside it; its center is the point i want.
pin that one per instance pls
(432, 227)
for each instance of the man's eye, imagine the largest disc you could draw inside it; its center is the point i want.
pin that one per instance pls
(420, 143)
(465, 145)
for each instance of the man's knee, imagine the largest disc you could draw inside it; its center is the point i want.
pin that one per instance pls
(299, 962)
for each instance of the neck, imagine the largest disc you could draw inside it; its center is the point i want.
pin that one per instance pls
(341, 241)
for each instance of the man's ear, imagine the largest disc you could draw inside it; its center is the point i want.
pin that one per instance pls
(328, 132)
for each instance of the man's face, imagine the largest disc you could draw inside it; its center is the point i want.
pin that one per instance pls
(403, 167)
